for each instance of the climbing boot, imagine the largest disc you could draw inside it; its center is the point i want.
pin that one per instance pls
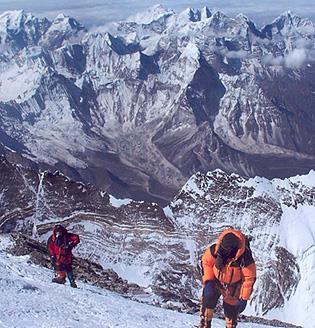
(73, 284)
(206, 316)
(230, 323)
(60, 277)
(58, 280)
(71, 279)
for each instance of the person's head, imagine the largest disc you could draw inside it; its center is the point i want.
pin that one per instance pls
(59, 231)
(227, 250)
(229, 246)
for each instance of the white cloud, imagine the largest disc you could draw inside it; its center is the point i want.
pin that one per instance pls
(296, 58)
(240, 54)
(304, 43)
(273, 61)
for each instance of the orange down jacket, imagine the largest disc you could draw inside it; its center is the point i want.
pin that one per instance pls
(239, 270)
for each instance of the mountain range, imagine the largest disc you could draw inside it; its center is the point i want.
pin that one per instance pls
(138, 107)
(149, 137)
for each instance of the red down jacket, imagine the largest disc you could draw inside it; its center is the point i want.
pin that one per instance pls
(60, 245)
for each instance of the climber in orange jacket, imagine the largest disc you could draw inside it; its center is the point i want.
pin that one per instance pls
(228, 269)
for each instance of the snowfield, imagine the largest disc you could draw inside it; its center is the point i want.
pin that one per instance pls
(28, 299)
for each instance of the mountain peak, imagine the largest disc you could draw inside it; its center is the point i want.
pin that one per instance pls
(242, 17)
(286, 23)
(12, 13)
(65, 20)
(288, 13)
(150, 15)
(205, 13)
(288, 17)
(61, 16)
(20, 29)
(218, 16)
(12, 20)
(193, 14)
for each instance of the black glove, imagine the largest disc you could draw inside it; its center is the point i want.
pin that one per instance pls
(69, 246)
(53, 262)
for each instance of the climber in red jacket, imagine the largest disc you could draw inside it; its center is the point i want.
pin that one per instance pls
(60, 245)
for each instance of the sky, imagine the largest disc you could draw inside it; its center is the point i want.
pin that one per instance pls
(101, 12)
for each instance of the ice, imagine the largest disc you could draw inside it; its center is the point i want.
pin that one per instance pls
(119, 202)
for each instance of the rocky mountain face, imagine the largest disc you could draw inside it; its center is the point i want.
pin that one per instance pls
(86, 270)
(135, 239)
(159, 249)
(139, 108)
(268, 212)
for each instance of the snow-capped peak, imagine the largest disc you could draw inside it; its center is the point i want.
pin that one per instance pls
(62, 29)
(287, 18)
(205, 13)
(19, 29)
(61, 16)
(15, 20)
(287, 23)
(218, 19)
(12, 20)
(190, 14)
(154, 13)
(65, 22)
(288, 14)
(242, 17)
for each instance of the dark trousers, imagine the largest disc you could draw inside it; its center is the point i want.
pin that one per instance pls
(211, 294)
(63, 270)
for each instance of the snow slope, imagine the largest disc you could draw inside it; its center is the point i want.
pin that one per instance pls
(279, 215)
(297, 229)
(28, 299)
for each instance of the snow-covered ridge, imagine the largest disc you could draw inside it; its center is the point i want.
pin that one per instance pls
(19, 30)
(262, 186)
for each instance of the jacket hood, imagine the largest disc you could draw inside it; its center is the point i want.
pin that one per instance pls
(59, 227)
(240, 236)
